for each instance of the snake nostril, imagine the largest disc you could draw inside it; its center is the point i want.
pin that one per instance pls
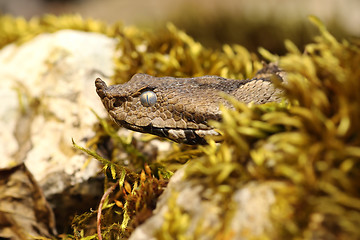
(118, 102)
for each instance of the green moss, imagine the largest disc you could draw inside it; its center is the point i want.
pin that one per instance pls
(170, 52)
(176, 222)
(311, 143)
(19, 30)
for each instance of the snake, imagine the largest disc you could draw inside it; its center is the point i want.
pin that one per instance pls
(180, 109)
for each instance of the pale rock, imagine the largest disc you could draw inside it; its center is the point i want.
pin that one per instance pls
(249, 206)
(47, 92)
(251, 218)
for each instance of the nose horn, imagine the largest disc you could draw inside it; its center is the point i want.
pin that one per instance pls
(100, 87)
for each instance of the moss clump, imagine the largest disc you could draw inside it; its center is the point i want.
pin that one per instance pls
(171, 52)
(19, 30)
(311, 143)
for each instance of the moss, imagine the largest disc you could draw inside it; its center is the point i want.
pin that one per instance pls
(251, 29)
(19, 30)
(311, 143)
(176, 222)
(172, 52)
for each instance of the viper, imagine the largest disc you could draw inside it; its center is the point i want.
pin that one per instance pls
(180, 108)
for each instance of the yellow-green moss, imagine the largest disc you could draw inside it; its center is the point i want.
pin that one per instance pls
(19, 30)
(171, 52)
(312, 142)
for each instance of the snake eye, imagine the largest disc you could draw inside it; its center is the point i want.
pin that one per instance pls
(148, 98)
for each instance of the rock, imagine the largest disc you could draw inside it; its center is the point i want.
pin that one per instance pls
(201, 208)
(24, 212)
(47, 93)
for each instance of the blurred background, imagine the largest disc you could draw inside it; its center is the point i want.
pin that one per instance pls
(254, 23)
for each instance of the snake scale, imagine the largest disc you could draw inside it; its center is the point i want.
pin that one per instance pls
(180, 108)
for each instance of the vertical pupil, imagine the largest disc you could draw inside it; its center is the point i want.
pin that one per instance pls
(148, 98)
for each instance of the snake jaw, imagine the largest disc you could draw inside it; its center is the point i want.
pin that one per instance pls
(187, 136)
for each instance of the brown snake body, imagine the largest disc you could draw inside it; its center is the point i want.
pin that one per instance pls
(180, 108)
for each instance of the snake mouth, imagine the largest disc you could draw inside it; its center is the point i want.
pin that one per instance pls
(187, 136)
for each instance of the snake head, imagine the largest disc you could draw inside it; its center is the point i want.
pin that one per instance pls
(177, 108)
